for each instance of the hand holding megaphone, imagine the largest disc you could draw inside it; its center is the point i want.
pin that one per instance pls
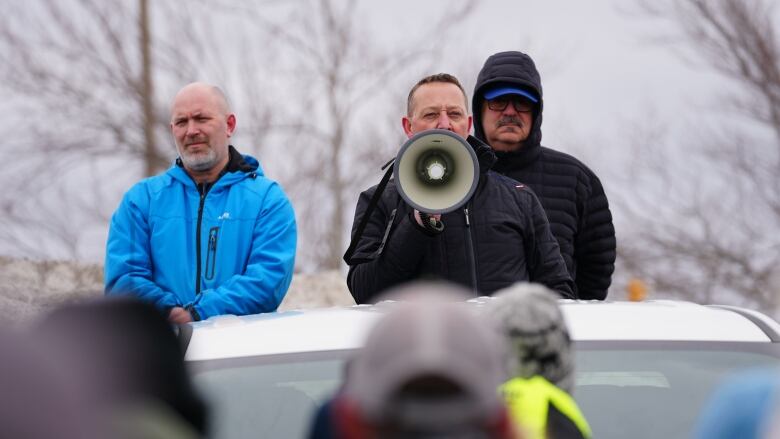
(431, 222)
(436, 171)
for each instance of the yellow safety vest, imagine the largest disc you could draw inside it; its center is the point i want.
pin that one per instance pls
(529, 400)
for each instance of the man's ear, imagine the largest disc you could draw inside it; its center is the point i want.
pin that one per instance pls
(471, 122)
(407, 125)
(231, 124)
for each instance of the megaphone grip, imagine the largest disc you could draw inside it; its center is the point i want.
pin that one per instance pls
(430, 223)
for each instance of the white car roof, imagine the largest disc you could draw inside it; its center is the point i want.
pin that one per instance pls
(664, 320)
(345, 328)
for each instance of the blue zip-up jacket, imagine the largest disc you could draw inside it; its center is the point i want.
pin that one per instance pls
(247, 238)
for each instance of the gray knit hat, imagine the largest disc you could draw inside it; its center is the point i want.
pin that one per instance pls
(539, 339)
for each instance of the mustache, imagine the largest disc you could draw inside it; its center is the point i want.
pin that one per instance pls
(196, 140)
(510, 120)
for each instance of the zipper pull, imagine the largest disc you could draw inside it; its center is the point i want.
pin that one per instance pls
(466, 211)
(212, 241)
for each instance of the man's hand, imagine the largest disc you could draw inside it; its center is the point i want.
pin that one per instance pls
(179, 315)
(419, 219)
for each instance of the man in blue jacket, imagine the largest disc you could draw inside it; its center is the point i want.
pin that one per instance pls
(210, 236)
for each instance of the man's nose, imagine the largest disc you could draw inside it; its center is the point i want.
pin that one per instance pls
(444, 121)
(192, 129)
(510, 109)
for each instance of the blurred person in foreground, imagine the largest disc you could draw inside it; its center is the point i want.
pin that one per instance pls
(429, 369)
(540, 361)
(744, 406)
(128, 366)
(212, 235)
(507, 105)
(323, 424)
(501, 236)
(38, 400)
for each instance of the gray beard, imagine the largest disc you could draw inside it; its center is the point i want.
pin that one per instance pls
(200, 162)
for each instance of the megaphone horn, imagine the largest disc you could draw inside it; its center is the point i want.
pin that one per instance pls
(436, 171)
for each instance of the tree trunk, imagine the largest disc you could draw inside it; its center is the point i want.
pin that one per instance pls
(151, 157)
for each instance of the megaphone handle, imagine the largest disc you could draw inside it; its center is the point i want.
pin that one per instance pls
(367, 214)
(431, 223)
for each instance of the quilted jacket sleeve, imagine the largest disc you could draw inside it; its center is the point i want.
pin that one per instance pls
(545, 263)
(595, 246)
(372, 271)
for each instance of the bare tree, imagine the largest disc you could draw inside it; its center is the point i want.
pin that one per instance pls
(319, 104)
(65, 66)
(708, 232)
(90, 82)
(76, 59)
(344, 123)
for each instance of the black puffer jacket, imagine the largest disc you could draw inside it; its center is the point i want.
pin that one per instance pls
(499, 237)
(571, 194)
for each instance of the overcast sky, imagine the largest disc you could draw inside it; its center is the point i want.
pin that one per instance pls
(603, 73)
(602, 69)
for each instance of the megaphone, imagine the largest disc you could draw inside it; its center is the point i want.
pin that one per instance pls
(436, 171)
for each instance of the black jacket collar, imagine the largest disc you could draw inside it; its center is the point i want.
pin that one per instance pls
(485, 155)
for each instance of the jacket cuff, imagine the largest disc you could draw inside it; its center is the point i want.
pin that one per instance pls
(193, 312)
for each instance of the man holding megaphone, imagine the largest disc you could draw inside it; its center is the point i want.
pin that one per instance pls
(445, 214)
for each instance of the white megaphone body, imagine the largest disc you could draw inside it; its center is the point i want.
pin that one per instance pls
(436, 171)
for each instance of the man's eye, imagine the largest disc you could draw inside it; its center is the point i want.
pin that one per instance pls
(455, 114)
(179, 123)
(430, 115)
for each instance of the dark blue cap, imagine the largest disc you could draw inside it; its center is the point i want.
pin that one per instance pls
(502, 91)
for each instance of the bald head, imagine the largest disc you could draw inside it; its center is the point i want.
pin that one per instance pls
(207, 92)
(202, 124)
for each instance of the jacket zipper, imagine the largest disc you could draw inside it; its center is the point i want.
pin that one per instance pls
(202, 191)
(470, 252)
(211, 257)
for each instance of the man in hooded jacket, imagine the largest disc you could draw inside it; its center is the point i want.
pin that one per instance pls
(212, 235)
(500, 236)
(507, 106)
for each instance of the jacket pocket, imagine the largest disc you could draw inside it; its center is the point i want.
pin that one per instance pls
(211, 255)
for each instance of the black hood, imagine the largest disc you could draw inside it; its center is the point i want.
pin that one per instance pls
(509, 68)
